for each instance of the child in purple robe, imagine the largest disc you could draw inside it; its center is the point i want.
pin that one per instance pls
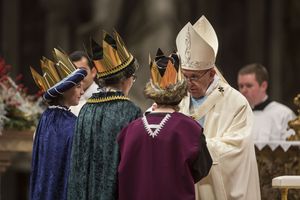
(163, 153)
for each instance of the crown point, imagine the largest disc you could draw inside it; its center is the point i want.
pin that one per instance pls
(97, 50)
(56, 51)
(150, 60)
(159, 53)
(175, 59)
(109, 40)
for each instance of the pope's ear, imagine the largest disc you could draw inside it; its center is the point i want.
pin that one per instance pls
(212, 72)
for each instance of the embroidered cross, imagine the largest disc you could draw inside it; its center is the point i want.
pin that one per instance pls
(221, 89)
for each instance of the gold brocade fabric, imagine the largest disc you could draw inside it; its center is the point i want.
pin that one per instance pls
(277, 163)
(95, 153)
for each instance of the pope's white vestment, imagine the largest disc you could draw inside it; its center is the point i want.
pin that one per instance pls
(227, 126)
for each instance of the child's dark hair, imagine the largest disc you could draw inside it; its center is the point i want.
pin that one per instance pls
(123, 74)
(78, 55)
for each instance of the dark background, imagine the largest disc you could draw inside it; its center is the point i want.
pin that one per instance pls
(265, 31)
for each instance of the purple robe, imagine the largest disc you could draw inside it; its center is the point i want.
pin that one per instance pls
(165, 164)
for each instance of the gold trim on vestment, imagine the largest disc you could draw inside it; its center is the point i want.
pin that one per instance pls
(105, 99)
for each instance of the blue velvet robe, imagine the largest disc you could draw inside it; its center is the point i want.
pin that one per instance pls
(51, 155)
(95, 153)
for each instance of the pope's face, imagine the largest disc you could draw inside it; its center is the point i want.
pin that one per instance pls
(198, 81)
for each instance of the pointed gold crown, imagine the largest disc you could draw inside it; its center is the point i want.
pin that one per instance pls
(52, 72)
(167, 85)
(165, 70)
(112, 57)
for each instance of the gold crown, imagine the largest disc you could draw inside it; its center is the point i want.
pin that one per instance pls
(165, 70)
(53, 72)
(112, 57)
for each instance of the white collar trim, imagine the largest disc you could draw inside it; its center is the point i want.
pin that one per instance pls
(157, 127)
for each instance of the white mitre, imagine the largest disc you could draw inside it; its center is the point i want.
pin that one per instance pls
(197, 45)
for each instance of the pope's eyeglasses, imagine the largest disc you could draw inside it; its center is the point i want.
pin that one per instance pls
(194, 78)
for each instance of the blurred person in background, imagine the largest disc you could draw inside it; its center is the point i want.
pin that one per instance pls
(270, 117)
(81, 60)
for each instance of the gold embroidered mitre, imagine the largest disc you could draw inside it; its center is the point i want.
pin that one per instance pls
(112, 57)
(197, 45)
